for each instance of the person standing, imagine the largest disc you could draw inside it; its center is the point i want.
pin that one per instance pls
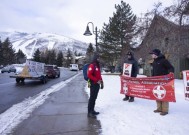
(134, 71)
(96, 82)
(161, 66)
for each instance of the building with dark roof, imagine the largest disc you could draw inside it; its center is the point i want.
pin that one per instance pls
(171, 39)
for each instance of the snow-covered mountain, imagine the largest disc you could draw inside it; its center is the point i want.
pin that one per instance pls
(28, 43)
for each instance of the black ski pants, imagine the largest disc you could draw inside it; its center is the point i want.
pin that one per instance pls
(94, 89)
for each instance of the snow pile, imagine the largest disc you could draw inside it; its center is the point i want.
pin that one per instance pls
(120, 117)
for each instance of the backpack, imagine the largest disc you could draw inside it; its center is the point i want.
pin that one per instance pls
(85, 70)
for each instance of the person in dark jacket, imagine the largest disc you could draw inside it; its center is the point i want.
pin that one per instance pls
(96, 82)
(134, 71)
(161, 66)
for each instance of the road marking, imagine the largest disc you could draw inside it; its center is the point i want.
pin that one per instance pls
(21, 111)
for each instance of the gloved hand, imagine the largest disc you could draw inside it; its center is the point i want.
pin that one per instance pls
(102, 85)
(172, 74)
(99, 82)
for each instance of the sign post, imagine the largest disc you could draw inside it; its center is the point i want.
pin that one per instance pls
(186, 83)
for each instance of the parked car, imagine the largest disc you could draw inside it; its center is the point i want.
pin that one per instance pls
(8, 69)
(106, 69)
(74, 67)
(52, 71)
(112, 69)
(109, 69)
(1, 66)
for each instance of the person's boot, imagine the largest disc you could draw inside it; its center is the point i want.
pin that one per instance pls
(126, 98)
(91, 115)
(131, 99)
(163, 113)
(157, 111)
(95, 113)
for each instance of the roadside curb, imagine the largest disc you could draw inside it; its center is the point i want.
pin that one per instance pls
(110, 73)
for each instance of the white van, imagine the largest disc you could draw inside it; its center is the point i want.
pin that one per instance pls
(74, 67)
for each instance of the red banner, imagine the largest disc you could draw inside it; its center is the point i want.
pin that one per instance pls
(154, 88)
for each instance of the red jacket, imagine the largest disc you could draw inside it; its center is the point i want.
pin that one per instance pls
(94, 73)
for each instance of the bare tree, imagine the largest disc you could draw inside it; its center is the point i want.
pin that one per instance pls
(177, 12)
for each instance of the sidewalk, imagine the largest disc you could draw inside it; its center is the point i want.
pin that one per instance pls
(63, 113)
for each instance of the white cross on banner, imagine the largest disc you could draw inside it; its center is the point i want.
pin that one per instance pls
(154, 88)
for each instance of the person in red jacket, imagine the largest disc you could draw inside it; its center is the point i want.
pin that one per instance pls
(96, 82)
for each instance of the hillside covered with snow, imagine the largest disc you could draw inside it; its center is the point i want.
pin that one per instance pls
(30, 42)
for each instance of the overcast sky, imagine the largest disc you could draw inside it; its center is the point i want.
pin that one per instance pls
(65, 17)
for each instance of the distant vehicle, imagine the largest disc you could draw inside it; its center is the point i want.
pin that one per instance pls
(1, 66)
(8, 69)
(74, 67)
(112, 69)
(52, 71)
(109, 69)
(31, 70)
(106, 69)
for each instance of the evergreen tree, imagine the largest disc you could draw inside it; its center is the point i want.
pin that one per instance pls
(37, 56)
(116, 36)
(75, 53)
(89, 53)
(20, 57)
(52, 57)
(44, 56)
(79, 54)
(8, 53)
(1, 54)
(59, 60)
(68, 58)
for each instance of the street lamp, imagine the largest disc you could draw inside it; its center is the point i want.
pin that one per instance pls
(88, 33)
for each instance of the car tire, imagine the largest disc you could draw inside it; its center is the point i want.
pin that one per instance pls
(44, 79)
(17, 80)
(22, 80)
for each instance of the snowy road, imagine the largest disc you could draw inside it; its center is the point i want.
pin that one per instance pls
(12, 93)
(18, 112)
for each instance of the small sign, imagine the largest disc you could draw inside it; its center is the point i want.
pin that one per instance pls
(127, 69)
(186, 83)
(32, 69)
